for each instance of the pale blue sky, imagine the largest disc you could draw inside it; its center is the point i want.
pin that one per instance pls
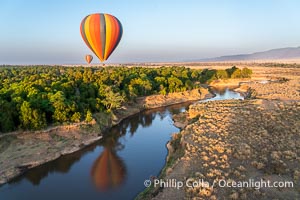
(47, 31)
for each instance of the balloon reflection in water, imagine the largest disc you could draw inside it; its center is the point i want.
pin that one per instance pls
(108, 170)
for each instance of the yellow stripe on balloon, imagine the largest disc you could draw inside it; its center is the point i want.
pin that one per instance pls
(108, 35)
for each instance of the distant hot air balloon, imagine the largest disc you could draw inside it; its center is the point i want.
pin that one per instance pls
(89, 58)
(101, 33)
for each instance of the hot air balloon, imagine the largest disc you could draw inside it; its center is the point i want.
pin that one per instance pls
(101, 33)
(89, 58)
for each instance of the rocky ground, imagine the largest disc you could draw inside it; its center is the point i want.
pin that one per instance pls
(233, 140)
(21, 151)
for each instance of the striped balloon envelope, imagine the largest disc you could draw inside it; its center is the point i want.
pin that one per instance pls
(89, 59)
(101, 33)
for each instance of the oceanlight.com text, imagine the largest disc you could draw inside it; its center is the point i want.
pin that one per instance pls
(200, 183)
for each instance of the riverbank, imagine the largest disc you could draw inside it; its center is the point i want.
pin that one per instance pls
(21, 151)
(238, 141)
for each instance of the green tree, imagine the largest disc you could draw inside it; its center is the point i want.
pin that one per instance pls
(189, 85)
(7, 115)
(76, 117)
(113, 100)
(61, 109)
(237, 74)
(246, 73)
(89, 116)
(231, 70)
(221, 74)
(207, 76)
(195, 75)
(141, 86)
(175, 84)
(31, 118)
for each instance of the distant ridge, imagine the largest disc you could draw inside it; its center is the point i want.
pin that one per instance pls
(273, 54)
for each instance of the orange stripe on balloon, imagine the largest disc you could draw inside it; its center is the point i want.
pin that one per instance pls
(86, 31)
(120, 33)
(83, 34)
(92, 29)
(112, 35)
(115, 35)
(90, 33)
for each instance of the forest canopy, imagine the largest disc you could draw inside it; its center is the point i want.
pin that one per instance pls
(34, 97)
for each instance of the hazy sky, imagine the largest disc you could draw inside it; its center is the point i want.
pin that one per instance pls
(47, 31)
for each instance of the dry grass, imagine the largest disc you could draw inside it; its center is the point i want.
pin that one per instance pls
(241, 140)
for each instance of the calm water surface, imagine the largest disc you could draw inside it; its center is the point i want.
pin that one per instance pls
(113, 168)
(223, 93)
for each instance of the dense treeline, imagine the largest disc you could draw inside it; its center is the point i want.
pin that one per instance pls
(34, 97)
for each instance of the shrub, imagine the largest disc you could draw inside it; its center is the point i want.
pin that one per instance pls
(246, 73)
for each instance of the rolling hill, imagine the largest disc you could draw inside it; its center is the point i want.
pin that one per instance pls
(274, 54)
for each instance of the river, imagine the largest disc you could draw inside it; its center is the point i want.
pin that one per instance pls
(113, 168)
